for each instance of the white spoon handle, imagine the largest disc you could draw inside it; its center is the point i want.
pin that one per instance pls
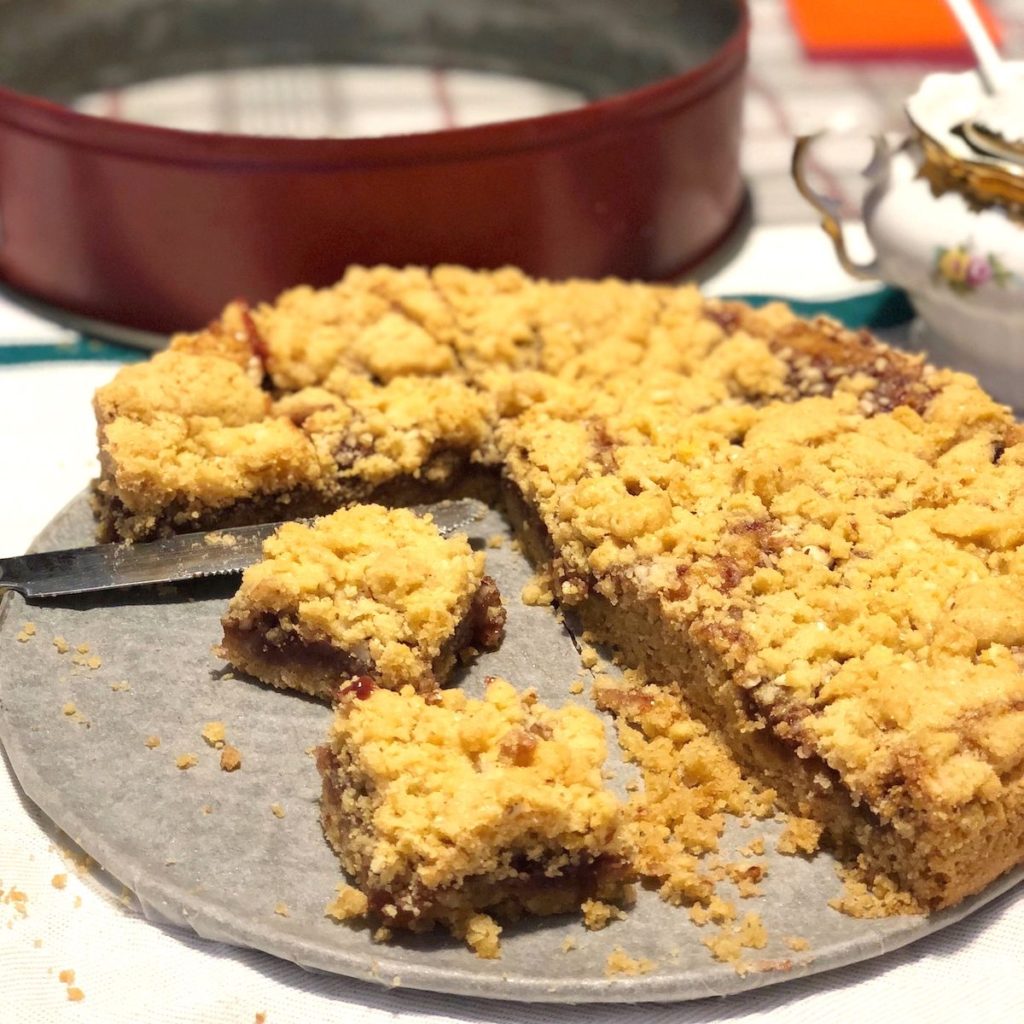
(990, 64)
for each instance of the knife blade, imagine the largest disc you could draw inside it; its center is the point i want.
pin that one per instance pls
(187, 556)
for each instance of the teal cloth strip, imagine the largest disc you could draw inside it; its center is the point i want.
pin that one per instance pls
(82, 349)
(888, 307)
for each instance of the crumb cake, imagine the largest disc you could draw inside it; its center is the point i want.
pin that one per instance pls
(365, 591)
(817, 538)
(441, 807)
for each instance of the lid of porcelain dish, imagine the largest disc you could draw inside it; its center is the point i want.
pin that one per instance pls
(973, 141)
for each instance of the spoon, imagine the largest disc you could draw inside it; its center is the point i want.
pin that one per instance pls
(998, 126)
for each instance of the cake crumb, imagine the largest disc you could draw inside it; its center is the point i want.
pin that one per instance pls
(481, 933)
(207, 809)
(61, 644)
(568, 944)
(82, 648)
(801, 835)
(230, 759)
(728, 944)
(755, 848)
(746, 878)
(220, 540)
(120, 687)
(69, 708)
(94, 662)
(213, 733)
(716, 910)
(37, 943)
(152, 742)
(620, 962)
(186, 761)
(576, 687)
(349, 903)
(598, 915)
(75, 994)
(875, 896)
(59, 881)
(496, 540)
(261, 1017)
(281, 909)
(588, 656)
(28, 630)
(797, 943)
(66, 977)
(537, 593)
(382, 934)
(277, 810)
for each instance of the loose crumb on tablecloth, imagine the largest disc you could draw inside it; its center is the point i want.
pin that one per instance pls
(277, 810)
(261, 1017)
(28, 630)
(61, 644)
(75, 994)
(230, 759)
(186, 761)
(59, 881)
(213, 733)
(66, 977)
(620, 962)
(152, 742)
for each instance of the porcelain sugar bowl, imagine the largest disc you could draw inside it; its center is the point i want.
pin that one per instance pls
(945, 214)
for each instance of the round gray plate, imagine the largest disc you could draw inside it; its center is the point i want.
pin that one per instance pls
(222, 873)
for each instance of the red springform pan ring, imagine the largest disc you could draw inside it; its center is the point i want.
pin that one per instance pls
(154, 229)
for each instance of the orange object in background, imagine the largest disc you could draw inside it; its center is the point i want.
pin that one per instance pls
(885, 30)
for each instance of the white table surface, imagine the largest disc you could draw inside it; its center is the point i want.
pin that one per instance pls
(131, 970)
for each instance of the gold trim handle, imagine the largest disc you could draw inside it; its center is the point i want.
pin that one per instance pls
(828, 206)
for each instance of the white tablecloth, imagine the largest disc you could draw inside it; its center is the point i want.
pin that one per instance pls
(130, 970)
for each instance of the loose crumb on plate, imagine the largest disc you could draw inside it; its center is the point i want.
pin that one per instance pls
(797, 943)
(538, 592)
(186, 761)
(75, 994)
(230, 759)
(69, 708)
(28, 630)
(576, 687)
(281, 909)
(620, 962)
(866, 896)
(349, 903)
(277, 810)
(61, 644)
(481, 933)
(94, 662)
(496, 540)
(152, 742)
(66, 977)
(728, 944)
(82, 648)
(568, 944)
(597, 914)
(213, 733)
(801, 835)
(588, 656)
(59, 881)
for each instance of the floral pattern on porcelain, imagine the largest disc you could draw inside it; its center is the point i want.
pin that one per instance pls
(965, 271)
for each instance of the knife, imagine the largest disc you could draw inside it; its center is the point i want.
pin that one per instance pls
(187, 556)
